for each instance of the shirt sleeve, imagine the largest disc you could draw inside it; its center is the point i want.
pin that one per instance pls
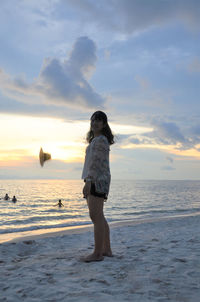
(98, 159)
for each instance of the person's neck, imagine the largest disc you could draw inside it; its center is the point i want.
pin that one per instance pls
(97, 134)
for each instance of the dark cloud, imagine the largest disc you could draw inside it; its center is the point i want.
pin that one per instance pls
(196, 130)
(59, 82)
(129, 16)
(167, 133)
(135, 141)
(164, 133)
(194, 135)
(124, 139)
(140, 140)
(121, 137)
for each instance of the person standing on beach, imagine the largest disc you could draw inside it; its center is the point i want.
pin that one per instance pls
(96, 175)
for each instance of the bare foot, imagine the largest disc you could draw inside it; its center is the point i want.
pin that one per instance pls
(108, 254)
(93, 257)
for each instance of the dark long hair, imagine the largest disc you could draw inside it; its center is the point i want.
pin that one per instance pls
(100, 115)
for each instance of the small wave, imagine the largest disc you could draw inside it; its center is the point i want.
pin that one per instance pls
(153, 212)
(41, 219)
(33, 228)
(128, 200)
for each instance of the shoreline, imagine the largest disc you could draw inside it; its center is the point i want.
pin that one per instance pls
(79, 229)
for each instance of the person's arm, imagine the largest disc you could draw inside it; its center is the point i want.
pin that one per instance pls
(87, 188)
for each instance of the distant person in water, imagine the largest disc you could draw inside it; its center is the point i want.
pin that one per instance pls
(59, 204)
(6, 197)
(14, 199)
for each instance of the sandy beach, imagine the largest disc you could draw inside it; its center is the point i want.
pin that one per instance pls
(156, 260)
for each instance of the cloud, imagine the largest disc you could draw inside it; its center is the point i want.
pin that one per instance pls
(140, 140)
(196, 130)
(59, 82)
(135, 141)
(120, 138)
(131, 16)
(164, 133)
(167, 133)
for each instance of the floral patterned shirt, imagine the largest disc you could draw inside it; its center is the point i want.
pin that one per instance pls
(96, 165)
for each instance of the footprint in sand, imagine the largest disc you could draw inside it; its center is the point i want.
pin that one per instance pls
(180, 260)
(29, 241)
(142, 250)
(155, 239)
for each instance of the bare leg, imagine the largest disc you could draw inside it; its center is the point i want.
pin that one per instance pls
(106, 248)
(95, 205)
(99, 233)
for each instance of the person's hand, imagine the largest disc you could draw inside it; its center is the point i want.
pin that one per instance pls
(86, 189)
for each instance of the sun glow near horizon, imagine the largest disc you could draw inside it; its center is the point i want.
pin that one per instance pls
(23, 136)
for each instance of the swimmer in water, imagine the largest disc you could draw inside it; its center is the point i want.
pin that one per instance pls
(6, 197)
(14, 199)
(59, 204)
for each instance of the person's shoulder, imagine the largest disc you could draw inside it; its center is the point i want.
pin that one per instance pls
(101, 139)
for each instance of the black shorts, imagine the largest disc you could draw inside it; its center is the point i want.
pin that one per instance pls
(94, 193)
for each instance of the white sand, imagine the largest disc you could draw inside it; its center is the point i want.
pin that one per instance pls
(153, 261)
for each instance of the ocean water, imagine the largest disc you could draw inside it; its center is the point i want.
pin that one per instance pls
(36, 207)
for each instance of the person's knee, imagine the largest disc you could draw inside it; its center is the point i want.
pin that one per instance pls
(95, 205)
(93, 215)
(96, 216)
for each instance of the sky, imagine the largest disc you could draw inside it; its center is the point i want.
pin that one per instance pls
(136, 60)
